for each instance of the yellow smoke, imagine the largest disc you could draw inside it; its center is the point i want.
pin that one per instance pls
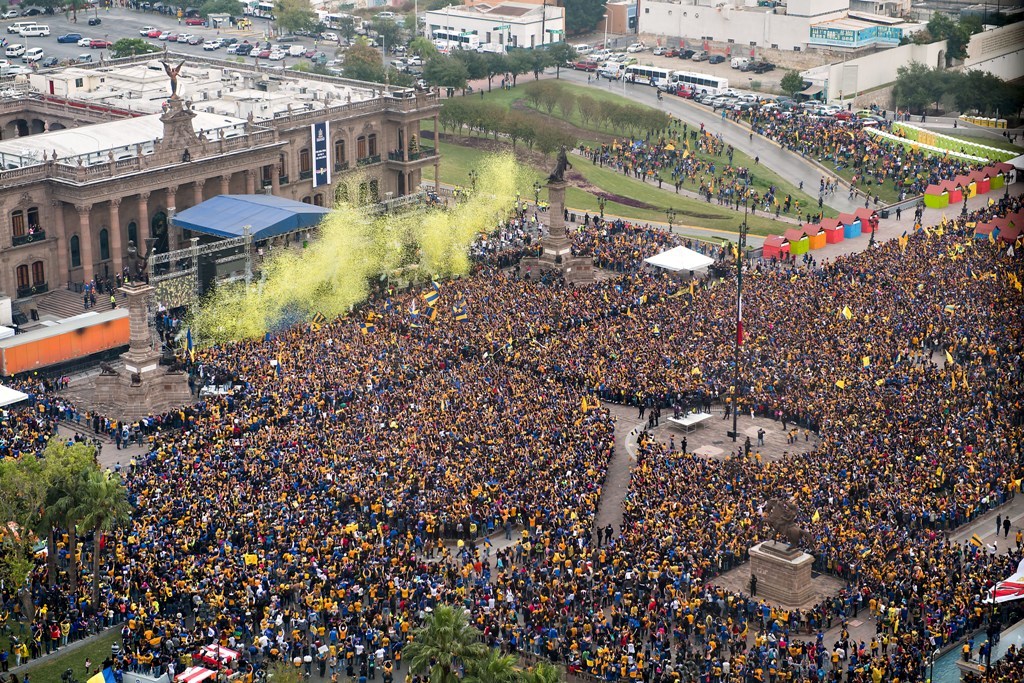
(333, 273)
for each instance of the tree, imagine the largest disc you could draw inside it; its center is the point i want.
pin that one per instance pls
(128, 47)
(542, 672)
(476, 65)
(583, 16)
(550, 139)
(445, 71)
(22, 495)
(67, 470)
(915, 87)
(492, 667)
(347, 27)
(107, 509)
(561, 54)
(364, 63)
(445, 639)
(424, 47)
(294, 15)
(792, 83)
(520, 61)
(518, 126)
(389, 32)
(957, 34)
(496, 64)
(232, 7)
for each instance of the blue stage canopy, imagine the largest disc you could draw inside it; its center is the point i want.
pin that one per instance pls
(266, 216)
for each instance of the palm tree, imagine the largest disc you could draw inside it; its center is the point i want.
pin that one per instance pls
(107, 508)
(543, 672)
(493, 667)
(67, 469)
(445, 640)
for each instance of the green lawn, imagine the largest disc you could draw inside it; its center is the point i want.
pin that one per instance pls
(49, 669)
(885, 192)
(998, 143)
(456, 162)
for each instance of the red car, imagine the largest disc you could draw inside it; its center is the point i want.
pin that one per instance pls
(155, 33)
(97, 44)
(843, 116)
(585, 65)
(195, 21)
(173, 38)
(262, 54)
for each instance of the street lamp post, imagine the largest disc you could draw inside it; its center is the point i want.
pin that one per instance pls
(671, 215)
(740, 245)
(536, 194)
(472, 178)
(601, 201)
(605, 45)
(874, 226)
(505, 27)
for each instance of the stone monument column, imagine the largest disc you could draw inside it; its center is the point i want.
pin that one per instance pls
(141, 357)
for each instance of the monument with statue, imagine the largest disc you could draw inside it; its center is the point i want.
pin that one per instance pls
(556, 248)
(782, 570)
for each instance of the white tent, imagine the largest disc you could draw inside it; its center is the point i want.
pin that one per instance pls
(9, 396)
(680, 258)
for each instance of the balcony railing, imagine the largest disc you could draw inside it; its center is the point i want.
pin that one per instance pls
(366, 161)
(341, 166)
(421, 153)
(305, 175)
(29, 238)
(32, 290)
(282, 180)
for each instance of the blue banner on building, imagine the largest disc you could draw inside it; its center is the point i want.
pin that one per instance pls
(321, 167)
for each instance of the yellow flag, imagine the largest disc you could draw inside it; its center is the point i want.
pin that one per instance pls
(695, 371)
(866, 360)
(952, 382)
(841, 384)
(879, 382)
(847, 313)
(949, 358)
(583, 405)
(816, 517)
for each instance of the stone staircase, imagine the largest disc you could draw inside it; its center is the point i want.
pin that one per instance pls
(59, 304)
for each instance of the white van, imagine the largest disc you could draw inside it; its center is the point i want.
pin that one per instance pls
(35, 30)
(296, 50)
(33, 54)
(18, 25)
(610, 70)
(739, 62)
(582, 49)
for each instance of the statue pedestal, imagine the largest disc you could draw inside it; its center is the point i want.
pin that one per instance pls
(783, 573)
(556, 247)
(143, 387)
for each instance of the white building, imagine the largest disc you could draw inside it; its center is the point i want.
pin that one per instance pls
(739, 22)
(504, 24)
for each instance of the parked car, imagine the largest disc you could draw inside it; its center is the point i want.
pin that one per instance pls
(100, 44)
(329, 35)
(659, 51)
(164, 35)
(586, 65)
(762, 67)
(49, 63)
(31, 12)
(95, 21)
(183, 37)
(263, 54)
(171, 38)
(33, 54)
(35, 30)
(194, 40)
(146, 30)
(636, 47)
(277, 55)
(155, 33)
(701, 56)
(685, 53)
(212, 45)
(739, 62)
(15, 50)
(716, 59)
(843, 115)
(11, 14)
(195, 21)
(84, 58)
(69, 38)
(227, 42)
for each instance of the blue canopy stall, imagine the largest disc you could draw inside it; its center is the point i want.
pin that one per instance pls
(266, 216)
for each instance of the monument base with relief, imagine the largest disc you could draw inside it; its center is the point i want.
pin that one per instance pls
(783, 573)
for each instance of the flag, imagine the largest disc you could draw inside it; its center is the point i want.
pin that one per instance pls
(841, 384)
(105, 676)
(431, 313)
(460, 314)
(656, 331)
(414, 315)
(317, 321)
(816, 517)
(1011, 588)
(188, 343)
(952, 382)
(976, 541)
(367, 327)
(879, 382)
(992, 236)
(949, 358)
(903, 240)
(437, 287)
(949, 308)
(388, 307)
(431, 297)
(277, 365)
(583, 405)
(695, 371)
(866, 360)
(739, 322)
(847, 313)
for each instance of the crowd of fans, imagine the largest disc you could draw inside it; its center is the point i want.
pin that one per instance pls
(322, 509)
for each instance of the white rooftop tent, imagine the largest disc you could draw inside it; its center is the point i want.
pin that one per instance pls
(680, 258)
(9, 396)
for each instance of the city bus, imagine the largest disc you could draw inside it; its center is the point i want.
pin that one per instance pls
(258, 8)
(647, 75)
(336, 21)
(698, 83)
(458, 40)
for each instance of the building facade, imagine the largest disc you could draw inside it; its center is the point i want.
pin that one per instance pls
(74, 190)
(501, 24)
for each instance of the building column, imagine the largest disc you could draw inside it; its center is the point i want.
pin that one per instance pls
(85, 240)
(225, 184)
(275, 179)
(437, 159)
(143, 227)
(250, 181)
(172, 208)
(197, 192)
(115, 235)
(63, 265)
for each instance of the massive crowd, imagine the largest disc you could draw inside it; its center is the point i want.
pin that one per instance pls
(322, 509)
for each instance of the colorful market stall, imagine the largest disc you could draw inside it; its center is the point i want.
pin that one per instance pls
(798, 242)
(833, 229)
(815, 236)
(982, 180)
(936, 197)
(986, 231)
(775, 247)
(851, 225)
(956, 192)
(867, 218)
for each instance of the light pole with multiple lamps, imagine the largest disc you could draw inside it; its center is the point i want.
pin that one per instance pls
(536, 194)
(740, 246)
(601, 201)
(472, 178)
(671, 215)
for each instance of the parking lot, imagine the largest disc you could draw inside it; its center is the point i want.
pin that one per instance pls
(118, 23)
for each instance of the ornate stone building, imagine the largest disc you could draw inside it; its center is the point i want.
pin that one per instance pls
(91, 158)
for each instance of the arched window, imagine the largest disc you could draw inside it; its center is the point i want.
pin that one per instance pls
(104, 245)
(76, 252)
(374, 191)
(23, 281)
(18, 223)
(38, 273)
(305, 163)
(361, 147)
(33, 219)
(318, 199)
(371, 143)
(339, 153)
(307, 200)
(133, 232)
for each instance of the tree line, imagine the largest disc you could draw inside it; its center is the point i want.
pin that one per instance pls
(462, 113)
(58, 495)
(918, 87)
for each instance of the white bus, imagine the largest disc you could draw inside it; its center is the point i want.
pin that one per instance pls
(258, 8)
(698, 83)
(336, 21)
(459, 40)
(647, 75)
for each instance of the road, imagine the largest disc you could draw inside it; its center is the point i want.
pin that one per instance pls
(120, 23)
(786, 164)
